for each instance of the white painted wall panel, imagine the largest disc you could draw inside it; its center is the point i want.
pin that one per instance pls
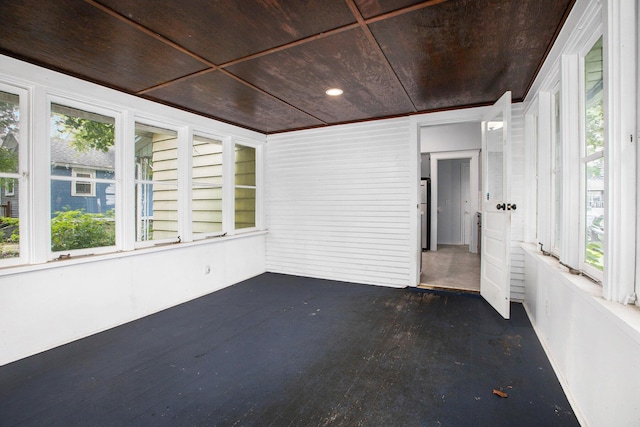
(593, 344)
(340, 202)
(54, 305)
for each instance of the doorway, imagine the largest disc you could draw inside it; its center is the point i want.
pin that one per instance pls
(453, 204)
(453, 261)
(451, 267)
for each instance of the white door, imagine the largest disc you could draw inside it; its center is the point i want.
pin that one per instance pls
(496, 206)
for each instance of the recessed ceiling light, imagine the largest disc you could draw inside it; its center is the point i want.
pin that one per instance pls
(334, 91)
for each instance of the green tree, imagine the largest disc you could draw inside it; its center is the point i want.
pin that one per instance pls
(8, 160)
(87, 134)
(8, 118)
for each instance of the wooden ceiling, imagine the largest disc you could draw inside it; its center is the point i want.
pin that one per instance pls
(265, 64)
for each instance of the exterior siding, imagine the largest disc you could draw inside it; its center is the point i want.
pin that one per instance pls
(62, 199)
(339, 203)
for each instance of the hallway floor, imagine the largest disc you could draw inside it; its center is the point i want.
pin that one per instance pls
(451, 267)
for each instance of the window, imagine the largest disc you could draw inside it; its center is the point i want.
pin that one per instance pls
(83, 188)
(156, 182)
(245, 187)
(206, 191)
(556, 174)
(592, 161)
(9, 174)
(10, 187)
(82, 145)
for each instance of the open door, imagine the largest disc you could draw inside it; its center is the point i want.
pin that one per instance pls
(496, 207)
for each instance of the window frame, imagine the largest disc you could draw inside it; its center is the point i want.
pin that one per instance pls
(179, 184)
(10, 187)
(557, 171)
(22, 175)
(585, 158)
(225, 144)
(256, 187)
(89, 107)
(90, 180)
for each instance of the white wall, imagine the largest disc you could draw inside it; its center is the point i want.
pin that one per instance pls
(342, 203)
(58, 303)
(451, 137)
(593, 348)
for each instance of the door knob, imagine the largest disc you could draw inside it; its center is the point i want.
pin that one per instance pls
(500, 206)
(511, 207)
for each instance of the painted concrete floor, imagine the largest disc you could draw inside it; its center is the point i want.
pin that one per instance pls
(279, 350)
(451, 267)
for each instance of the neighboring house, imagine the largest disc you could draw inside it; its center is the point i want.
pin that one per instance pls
(93, 197)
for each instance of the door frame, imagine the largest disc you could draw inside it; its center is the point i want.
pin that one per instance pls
(416, 122)
(474, 168)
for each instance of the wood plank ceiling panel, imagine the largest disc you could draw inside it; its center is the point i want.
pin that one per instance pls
(468, 52)
(371, 8)
(265, 64)
(215, 94)
(76, 38)
(301, 74)
(225, 30)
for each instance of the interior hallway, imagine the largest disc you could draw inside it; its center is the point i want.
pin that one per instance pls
(451, 267)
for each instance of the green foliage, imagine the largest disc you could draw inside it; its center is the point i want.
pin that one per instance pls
(9, 237)
(595, 126)
(595, 255)
(8, 160)
(75, 229)
(8, 118)
(88, 134)
(9, 230)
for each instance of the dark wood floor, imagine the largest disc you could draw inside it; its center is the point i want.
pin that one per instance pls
(287, 351)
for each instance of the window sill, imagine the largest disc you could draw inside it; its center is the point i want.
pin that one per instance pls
(625, 317)
(83, 259)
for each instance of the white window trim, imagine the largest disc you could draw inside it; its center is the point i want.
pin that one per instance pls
(621, 206)
(37, 88)
(203, 134)
(584, 159)
(22, 176)
(42, 114)
(181, 134)
(258, 187)
(556, 172)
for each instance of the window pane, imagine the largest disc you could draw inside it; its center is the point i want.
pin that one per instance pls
(206, 194)
(156, 163)
(9, 167)
(594, 252)
(495, 147)
(245, 165)
(82, 211)
(9, 132)
(9, 223)
(245, 208)
(594, 107)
